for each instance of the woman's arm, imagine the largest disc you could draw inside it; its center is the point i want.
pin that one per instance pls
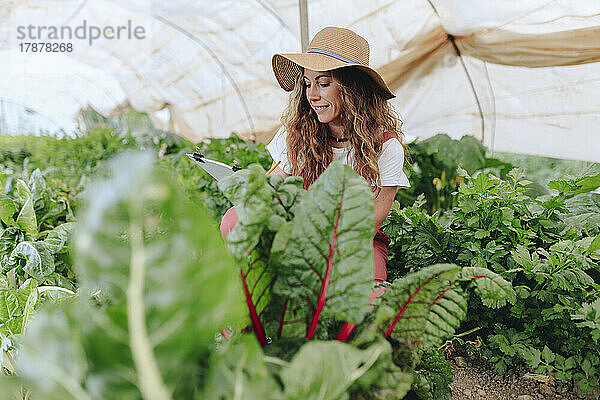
(383, 203)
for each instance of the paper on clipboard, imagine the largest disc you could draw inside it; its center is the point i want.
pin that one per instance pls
(216, 169)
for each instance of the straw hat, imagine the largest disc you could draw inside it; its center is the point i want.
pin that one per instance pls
(331, 48)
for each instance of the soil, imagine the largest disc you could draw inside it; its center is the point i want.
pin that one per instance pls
(477, 380)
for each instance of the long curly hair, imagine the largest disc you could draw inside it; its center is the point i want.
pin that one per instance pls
(366, 117)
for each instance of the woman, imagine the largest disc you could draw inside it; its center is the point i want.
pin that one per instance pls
(338, 110)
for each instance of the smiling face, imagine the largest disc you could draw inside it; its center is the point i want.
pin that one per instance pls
(323, 95)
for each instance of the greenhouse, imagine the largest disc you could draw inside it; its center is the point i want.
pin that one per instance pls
(300, 199)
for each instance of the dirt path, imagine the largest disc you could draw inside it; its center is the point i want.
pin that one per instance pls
(479, 381)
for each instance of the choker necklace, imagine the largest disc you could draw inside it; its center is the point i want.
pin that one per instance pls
(338, 140)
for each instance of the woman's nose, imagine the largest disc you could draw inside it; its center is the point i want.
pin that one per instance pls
(313, 92)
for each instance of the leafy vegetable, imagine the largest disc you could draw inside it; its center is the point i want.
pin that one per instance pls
(167, 286)
(412, 297)
(328, 258)
(264, 204)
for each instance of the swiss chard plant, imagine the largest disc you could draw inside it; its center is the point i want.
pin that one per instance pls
(306, 265)
(34, 231)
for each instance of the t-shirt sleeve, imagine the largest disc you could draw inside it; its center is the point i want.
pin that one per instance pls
(278, 150)
(390, 164)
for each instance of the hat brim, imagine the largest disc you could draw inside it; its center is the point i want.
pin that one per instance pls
(286, 68)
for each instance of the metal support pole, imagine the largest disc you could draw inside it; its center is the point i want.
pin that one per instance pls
(303, 24)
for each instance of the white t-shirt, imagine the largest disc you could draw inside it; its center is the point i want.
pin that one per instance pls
(390, 161)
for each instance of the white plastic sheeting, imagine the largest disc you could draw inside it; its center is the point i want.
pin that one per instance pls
(534, 65)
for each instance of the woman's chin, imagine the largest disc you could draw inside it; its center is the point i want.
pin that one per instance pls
(323, 119)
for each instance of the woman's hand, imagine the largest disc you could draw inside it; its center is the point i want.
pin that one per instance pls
(383, 203)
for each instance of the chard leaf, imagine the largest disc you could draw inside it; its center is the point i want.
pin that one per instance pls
(257, 282)
(412, 296)
(239, 368)
(53, 343)
(263, 204)
(167, 285)
(9, 307)
(494, 290)
(57, 237)
(286, 317)
(22, 192)
(37, 185)
(369, 331)
(26, 220)
(17, 306)
(252, 196)
(39, 262)
(325, 370)
(328, 261)
(9, 238)
(29, 292)
(384, 380)
(445, 316)
(7, 209)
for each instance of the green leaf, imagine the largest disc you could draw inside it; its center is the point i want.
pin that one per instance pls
(28, 288)
(263, 205)
(494, 290)
(532, 356)
(547, 355)
(573, 187)
(583, 214)
(39, 262)
(27, 220)
(9, 238)
(239, 368)
(466, 152)
(9, 305)
(249, 191)
(433, 375)
(481, 233)
(412, 296)
(167, 285)
(7, 209)
(325, 370)
(328, 261)
(56, 238)
(468, 204)
(570, 363)
(521, 256)
(22, 192)
(445, 316)
(384, 380)
(17, 306)
(522, 291)
(37, 185)
(595, 245)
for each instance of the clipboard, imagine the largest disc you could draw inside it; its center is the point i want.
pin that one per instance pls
(216, 169)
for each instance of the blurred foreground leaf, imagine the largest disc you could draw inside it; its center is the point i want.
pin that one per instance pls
(161, 285)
